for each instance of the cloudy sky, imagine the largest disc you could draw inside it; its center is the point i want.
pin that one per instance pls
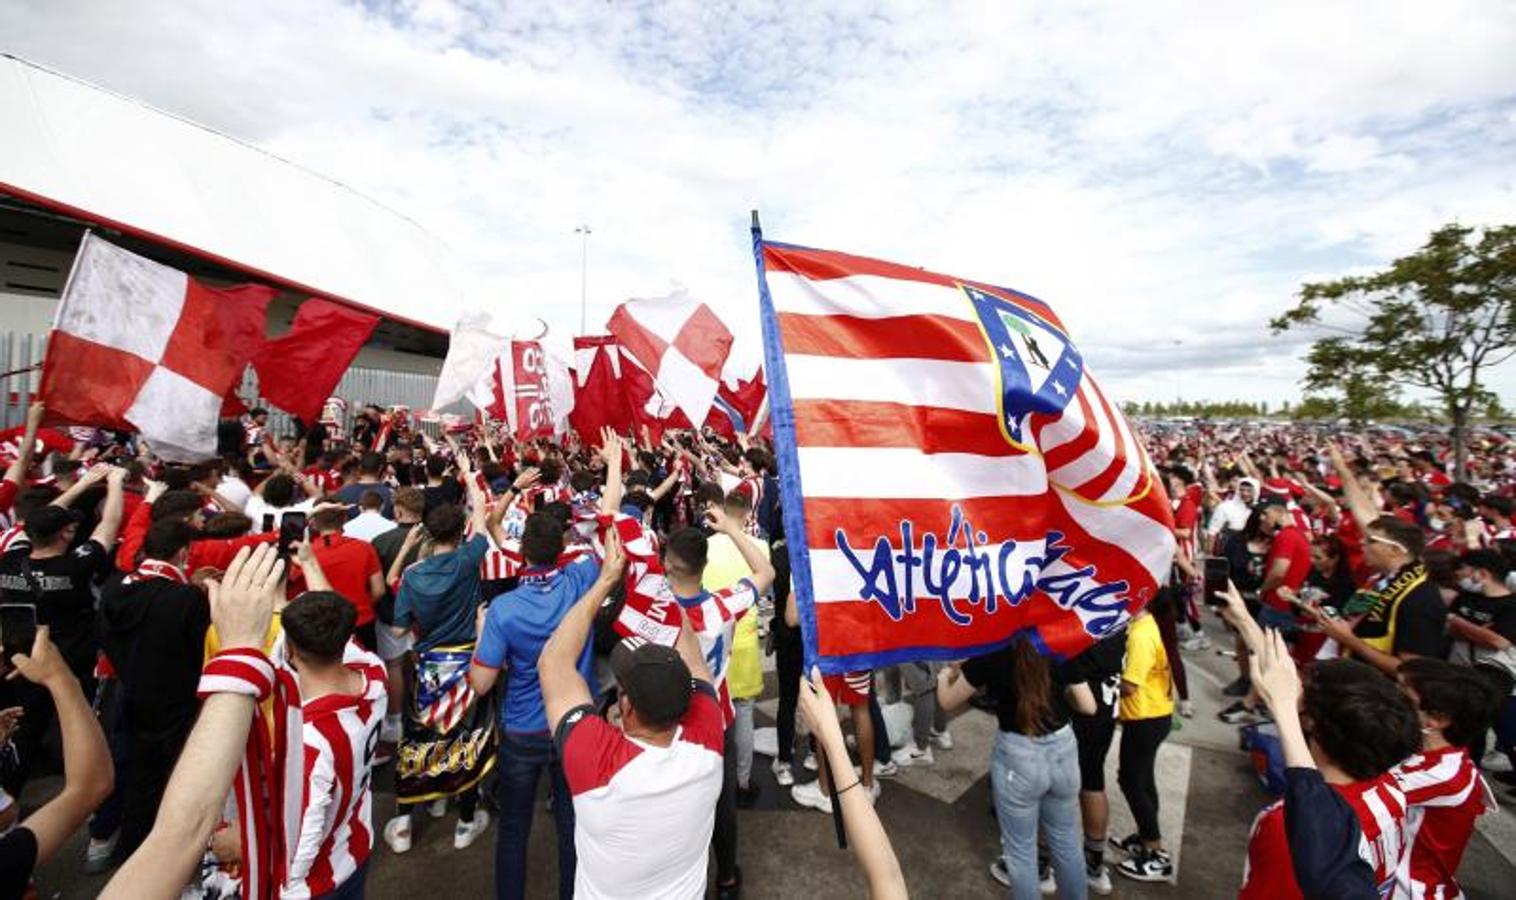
(1165, 174)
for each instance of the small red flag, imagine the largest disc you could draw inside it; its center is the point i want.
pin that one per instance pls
(300, 369)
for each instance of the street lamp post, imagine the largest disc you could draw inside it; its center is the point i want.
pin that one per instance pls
(584, 271)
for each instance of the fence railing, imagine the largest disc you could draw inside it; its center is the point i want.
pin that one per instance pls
(21, 370)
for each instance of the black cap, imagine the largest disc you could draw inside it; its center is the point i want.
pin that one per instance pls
(654, 678)
(1269, 500)
(45, 523)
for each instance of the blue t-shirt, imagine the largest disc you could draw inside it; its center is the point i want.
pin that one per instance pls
(439, 595)
(516, 628)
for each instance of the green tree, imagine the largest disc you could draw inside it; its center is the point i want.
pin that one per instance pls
(1435, 320)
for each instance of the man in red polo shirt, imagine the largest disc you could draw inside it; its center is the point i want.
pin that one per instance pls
(350, 565)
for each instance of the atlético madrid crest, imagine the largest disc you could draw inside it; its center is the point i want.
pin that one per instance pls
(1040, 367)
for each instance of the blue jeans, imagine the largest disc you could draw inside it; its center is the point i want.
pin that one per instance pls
(520, 761)
(1036, 780)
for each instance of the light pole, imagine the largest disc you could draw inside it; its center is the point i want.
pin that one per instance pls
(584, 271)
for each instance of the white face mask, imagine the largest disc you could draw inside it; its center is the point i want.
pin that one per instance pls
(1471, 584)
(1437, 524)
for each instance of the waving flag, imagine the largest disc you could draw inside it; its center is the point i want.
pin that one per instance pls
(680, 342)
(951, 475)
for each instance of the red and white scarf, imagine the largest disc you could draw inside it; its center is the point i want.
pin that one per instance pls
(149, 569)
(651, 612)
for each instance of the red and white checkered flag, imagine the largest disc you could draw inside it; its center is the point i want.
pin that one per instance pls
(681, 343)
(139, 346)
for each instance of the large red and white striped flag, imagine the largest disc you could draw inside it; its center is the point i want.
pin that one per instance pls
(139, 346)
(681, 343)
(951, 474)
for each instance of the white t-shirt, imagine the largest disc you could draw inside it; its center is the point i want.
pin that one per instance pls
(257, 508)
(234, 491)
(367, 525)
(643, 815)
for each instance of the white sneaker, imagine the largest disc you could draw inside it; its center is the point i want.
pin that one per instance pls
(912, 755)
(1047, 885)
(810, 762)
(943, 739)
(97, 856)
(1187, 709)
(875, 790)
(1495, 761)
(397, 833)
(782, 774)
(437, 808)
(465, 833)
(1099, 882)
(886, 769)
(810, 794)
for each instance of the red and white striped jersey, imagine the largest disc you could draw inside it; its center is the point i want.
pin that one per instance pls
(712, 616)
(336, 829)
(1444, 795)
(1379, 805)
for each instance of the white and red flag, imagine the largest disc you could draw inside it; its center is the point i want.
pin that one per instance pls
(517, 390)
(680, 343)
(951, 474)
(137, 345)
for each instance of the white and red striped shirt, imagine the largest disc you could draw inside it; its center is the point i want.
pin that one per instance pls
(336, 828)
(1379, 805)
(1444, 794)
(712, 616)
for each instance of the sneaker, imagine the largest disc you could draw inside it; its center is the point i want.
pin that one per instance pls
(397, 833)
(1131, 845)
(437, 808)
(783, 775)
(943, 739)
(1000, 873)
(1239, 714)
(389, 730)
(465, 833)
(1196, 644)
(730, 891)
(810, 762)
(886, 769)
(810, 794)
(1187, 709)
(875, 790)
(1047, 885)
(1238, 688)
(912, 755)
(1098, 880)
(1147, 866)
(97, 856)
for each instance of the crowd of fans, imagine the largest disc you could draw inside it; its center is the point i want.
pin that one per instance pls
(311, 608)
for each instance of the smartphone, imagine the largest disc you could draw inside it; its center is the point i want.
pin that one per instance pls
(268, 523)
(291, 531)
(1217, 573)
(18, 628)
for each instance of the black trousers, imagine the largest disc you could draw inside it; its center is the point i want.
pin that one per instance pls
(146, 777)
(1138, 779)
(724, 837)
(788, 662)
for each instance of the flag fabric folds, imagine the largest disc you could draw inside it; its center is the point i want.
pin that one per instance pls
(471, 352)
(598, 398)
(951, 474)
(298, 370)
(680, 343)
(138, 345)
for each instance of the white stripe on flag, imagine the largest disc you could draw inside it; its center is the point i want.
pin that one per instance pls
(1148, 541)
(916, 382)
(867, 297)
(1092, 462)
(908, 473)
(836, 580)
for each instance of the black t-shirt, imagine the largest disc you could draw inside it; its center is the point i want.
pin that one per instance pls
(449, 491)
(997, 672)
(18, 857)
(1495, 613)
(1420, 615)
(62, 587)
(387, 546)
(154, 635)
(1100, 666)
(1244, 566)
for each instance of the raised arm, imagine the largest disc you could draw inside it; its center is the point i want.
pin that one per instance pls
(16, 473)
(563, 688)
(91, 477)
(866, 834)
(610, 451)
(1360, 504)
(111, 512)
(242, 604)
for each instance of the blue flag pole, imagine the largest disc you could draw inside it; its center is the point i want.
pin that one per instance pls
(792, 499)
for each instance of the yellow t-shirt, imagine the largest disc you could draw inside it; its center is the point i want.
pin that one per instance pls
(725, 567)
(1147, 667)
(275, 626)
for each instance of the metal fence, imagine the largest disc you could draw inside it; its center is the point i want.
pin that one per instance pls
(21, 371)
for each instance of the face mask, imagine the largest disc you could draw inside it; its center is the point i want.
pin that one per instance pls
(1471, 585)
(1437, 524)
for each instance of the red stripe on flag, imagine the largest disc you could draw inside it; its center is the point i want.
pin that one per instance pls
(1082, 443)
(1096, 487)
(865, 423)
(895, 337)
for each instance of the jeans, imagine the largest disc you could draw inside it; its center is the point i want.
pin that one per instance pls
(920, 681)
(521, 759)
(1035, 781)
(742, 735)
(1140, 740)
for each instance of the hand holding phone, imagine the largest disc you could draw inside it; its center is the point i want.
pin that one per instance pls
(1217, 572)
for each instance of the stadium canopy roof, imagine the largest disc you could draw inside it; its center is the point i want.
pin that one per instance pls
(84, 152)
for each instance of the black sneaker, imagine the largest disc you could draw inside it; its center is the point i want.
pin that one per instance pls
(1147, 865)
(1238, 688)
(1132, 845)
(1239, 714)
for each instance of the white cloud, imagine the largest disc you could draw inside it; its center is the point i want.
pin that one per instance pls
(1157, 172)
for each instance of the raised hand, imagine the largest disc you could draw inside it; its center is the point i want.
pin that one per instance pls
(242, 601)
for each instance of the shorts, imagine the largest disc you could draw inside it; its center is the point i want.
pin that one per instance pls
(852, 689)
(1094, 735)
(390, 646)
